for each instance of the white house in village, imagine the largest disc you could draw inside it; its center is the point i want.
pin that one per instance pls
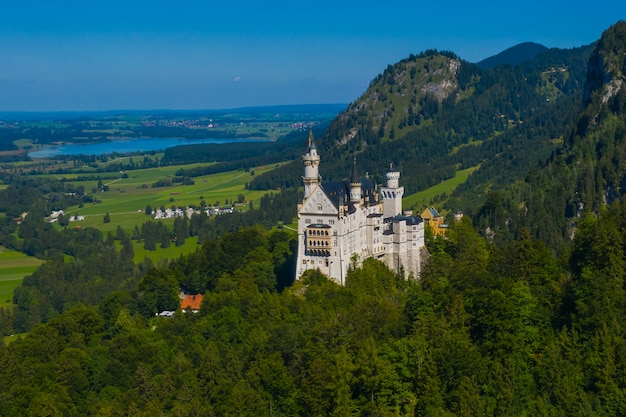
(338, 220)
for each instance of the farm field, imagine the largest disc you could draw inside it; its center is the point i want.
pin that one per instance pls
(128, 198)
(125, 202)
(14, 266)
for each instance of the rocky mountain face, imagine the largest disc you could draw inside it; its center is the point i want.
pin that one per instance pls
(405, 94)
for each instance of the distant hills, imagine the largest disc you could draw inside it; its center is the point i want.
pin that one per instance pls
(303, 109)
(514, 55)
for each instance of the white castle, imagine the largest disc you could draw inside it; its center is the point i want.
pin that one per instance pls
(344, 222)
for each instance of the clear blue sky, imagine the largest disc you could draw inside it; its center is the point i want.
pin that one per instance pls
(101, 55)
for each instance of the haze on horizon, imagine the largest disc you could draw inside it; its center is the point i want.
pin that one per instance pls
(104, 55)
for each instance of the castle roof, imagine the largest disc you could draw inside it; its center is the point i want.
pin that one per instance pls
(392, 168)
(354, 179)
(310, 143)
(339, 192)
(320, 226)
(410, 220)
(413, 220)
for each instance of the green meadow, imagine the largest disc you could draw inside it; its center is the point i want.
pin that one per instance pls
(161, 256)
(422, 199)
(127, 198)
(14, 266)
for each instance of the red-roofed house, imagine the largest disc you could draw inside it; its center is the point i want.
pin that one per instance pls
(191, 302)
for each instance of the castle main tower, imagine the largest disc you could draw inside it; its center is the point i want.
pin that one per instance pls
(392, 193)
(311, 161)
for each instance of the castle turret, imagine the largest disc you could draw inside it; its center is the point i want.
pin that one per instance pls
(392, 193)
(355, 185)
(311, 161)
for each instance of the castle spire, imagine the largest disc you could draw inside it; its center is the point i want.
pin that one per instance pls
(354, 179)
(309, 141)
(355, 185)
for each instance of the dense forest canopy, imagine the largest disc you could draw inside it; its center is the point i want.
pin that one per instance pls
(489, 330)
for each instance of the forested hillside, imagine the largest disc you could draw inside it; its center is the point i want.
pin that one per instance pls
(434, 114)
(489, 330)
(586, 171)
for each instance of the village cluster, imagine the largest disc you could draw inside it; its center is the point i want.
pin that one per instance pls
(168, 213)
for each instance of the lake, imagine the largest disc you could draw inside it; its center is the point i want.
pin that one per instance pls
(127, 145)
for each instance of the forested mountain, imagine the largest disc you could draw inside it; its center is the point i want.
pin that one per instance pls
(514, 55)
(586, 171)
(433, 114)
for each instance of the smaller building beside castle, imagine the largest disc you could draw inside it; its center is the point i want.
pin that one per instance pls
(344, 221)
(435, 221)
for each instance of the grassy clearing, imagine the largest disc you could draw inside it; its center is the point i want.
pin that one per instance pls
(14, 266)
(423, 199)
(465, 145)
(13, 338)
(161, 255)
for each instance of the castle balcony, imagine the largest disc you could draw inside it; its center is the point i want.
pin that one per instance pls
(319, 239)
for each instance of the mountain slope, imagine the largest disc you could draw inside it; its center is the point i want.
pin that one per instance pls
(587, 171)
(515, 55)
(434, 114)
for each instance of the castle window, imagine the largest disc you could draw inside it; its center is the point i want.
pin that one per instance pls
(307, 221)
(319, 206)
(331, 221)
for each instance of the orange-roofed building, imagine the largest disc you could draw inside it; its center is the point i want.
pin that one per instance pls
(191, 302)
